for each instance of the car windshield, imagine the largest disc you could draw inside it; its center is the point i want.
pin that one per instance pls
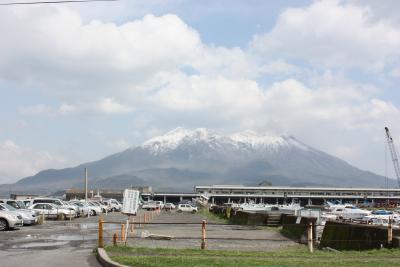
(9, 207)
(21, 205)
(13, 204)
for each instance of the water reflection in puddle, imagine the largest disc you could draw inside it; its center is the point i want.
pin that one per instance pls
(73, 237)
(40, 244)
(92, 226)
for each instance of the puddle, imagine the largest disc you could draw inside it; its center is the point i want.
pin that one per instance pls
(31, 237)
(73, 237)
(40, 245)
(91, 226)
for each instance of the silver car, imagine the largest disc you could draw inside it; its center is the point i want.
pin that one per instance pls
(9, 220)
(52, 210)
(28, 216)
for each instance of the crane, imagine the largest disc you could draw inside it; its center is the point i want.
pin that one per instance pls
(393, 153)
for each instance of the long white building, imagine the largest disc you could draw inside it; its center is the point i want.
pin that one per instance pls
(309, 195)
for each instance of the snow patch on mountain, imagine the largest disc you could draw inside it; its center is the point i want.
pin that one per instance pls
(242, 140)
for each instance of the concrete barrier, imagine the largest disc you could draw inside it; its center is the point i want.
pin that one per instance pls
(351, 236)
(296, 228)
(105, 260)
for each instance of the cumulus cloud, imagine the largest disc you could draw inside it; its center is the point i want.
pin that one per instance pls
(158, 70)
(203, 92)
(332, 33)
(104, 106)
(70, 58)
(18, 162)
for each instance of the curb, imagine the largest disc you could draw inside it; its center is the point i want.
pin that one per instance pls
(105, 260)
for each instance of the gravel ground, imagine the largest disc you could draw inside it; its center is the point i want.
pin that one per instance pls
(219, 236)
(70, 243)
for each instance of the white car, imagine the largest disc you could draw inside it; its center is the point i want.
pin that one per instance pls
(93, 208)
(113, 204)
(53, 211)
(150, 205)
(186, 208)
(83, 209)
(9, 219)
(169, 206)
(57, 202)
(28, 216)
(104, 208)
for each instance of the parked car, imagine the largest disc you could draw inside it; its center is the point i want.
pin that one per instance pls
(94, 209)
(169, 206)
(104, 208)
(83, 209)
(15, 203)
(186, 208)
(27, 202)
(53, 211)
(28, 216)
(185, 201)
(113, 204)
(9, 220)
(150, 205)
(56, 202)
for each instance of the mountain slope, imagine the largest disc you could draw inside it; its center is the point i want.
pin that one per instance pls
(183, 158)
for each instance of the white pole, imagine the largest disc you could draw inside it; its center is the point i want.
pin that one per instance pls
(126, 230)
(86, 184)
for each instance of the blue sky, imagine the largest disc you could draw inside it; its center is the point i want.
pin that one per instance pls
(82, 81)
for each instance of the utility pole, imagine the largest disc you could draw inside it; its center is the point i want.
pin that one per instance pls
(86, 184)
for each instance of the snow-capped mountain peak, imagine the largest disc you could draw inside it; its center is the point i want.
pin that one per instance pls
(247, 139)
(174, 138)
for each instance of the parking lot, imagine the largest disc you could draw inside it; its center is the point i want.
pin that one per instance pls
(61, 243)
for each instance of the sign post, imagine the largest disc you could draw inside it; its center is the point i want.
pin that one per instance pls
(131, 202)
(130, 206)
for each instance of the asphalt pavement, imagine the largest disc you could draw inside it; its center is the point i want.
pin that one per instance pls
(71, 243)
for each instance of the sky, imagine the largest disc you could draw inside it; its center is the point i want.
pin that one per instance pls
(79, 82)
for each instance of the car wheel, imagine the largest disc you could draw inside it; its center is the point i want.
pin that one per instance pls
(92, 213)
(179, 210)
(113, 209)
(3, 225)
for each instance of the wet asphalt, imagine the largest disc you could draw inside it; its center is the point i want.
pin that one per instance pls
(71, 243)
(55, 243)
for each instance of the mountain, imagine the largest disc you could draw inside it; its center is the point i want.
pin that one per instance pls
(183, 158)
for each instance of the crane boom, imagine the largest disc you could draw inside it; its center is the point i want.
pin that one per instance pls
(393, 153)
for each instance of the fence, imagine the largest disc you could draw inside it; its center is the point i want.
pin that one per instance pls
(125, 229)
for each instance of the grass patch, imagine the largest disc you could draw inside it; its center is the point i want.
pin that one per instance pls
(212, 217)
(298, 256)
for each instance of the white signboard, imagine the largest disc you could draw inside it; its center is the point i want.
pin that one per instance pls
(131, 201)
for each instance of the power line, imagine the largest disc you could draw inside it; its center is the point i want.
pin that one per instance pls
(53, 2)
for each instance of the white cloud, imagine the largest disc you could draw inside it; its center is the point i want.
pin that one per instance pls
(18, 162)
(395, 73)
(118, 144)
(40, 109)
(104, 106)
(278, 67)
(110, 106)
(70, 58)
(331, 33)
(159, 70)
(196, 92)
